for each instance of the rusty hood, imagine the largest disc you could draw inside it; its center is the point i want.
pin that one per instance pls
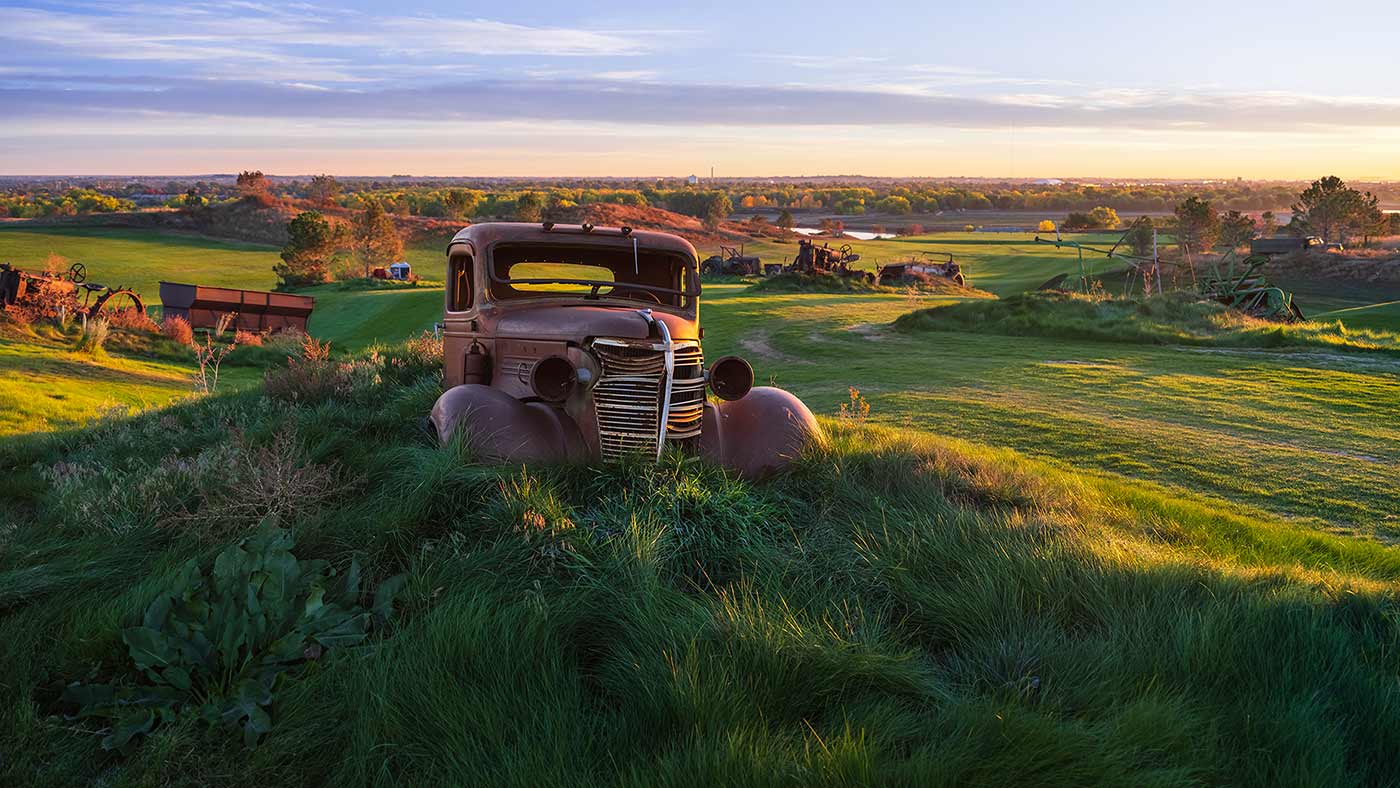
(554, 321)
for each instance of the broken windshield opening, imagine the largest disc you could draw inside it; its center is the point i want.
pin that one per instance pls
(592, 273)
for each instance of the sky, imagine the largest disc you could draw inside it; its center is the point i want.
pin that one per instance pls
(1277, 90)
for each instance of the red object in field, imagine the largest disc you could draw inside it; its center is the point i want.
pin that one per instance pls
(380, 273)
(251, 310)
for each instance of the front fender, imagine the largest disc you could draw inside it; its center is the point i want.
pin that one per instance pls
(500, 427)
(758, 434)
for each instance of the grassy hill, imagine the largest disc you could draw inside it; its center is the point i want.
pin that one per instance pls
(900, 608)
(1039, 560)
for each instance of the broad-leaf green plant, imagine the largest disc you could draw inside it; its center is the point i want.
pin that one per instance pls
(218, 645)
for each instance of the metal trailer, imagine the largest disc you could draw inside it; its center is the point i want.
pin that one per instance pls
(1282, 244)
(250, 310)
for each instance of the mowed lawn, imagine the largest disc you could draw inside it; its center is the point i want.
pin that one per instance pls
(1302, 433)
(141, 259)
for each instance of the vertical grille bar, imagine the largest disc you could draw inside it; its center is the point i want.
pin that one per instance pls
(630, 402)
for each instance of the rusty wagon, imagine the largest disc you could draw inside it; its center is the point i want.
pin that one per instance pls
(246, 310)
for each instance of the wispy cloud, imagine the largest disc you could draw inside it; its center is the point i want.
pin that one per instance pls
(298, 42)
(621, 98)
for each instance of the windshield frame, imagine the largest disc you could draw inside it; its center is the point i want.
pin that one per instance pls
(688, 294)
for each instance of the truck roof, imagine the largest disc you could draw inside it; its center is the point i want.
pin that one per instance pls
(480, 236)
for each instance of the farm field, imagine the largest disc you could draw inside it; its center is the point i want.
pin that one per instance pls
(140, 259)
(1036, 561)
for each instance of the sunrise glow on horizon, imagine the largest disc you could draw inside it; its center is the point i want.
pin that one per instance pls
(784, 89)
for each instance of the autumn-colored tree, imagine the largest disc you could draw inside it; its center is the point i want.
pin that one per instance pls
(254, 187)
(1105, 218)
(377, 241)
(310, 251)
(461, 203)
(323, 191)
(529, 207)
(1045, 226)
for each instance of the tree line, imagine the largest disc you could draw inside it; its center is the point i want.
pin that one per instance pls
(1327, 208)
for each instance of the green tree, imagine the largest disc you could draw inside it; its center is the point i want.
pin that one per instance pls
(310, 251)
(1141, 236)
(1197, 225)
(1236, 229)
(717, 209)
(1328, 207)
(785, 220)
(377, 241)
(324, 190)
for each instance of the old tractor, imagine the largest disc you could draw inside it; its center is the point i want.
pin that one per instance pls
(731, 262)
(813, 259)
(583, 343)
(933, 264)
(52, 295)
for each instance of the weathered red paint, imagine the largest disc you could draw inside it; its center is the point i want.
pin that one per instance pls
(619, 339)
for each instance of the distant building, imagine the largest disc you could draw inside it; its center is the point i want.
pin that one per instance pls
(692, 181)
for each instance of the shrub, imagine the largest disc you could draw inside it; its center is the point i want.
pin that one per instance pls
(177, 329)
(257, 482)
(314, 377)
(214, 646)
(132, 320)
(415, 358)
(209, 356)
(247, 338)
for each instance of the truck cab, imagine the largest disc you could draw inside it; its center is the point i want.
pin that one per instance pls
(582, 343)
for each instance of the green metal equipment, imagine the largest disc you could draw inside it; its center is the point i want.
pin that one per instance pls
(1084, 280)
(1239, 284)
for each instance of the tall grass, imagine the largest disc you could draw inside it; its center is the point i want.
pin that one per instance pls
(1175, 318)
(94, 337)
(895, 609)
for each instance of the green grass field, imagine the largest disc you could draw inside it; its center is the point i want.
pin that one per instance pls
(1038, 561)
(140, 259)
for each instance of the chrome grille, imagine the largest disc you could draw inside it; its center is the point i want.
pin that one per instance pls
(627, 397)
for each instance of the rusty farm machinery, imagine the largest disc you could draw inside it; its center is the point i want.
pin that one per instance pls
(731, 262)
(812, 259)
(59, 294)
(930, 264)
(1238, 284)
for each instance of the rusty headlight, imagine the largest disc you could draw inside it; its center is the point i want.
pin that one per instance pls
(552, 378)
(730, 378)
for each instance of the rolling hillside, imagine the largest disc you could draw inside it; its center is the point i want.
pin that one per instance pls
(1036, 561)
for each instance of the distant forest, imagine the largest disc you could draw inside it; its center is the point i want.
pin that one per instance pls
(466, 198)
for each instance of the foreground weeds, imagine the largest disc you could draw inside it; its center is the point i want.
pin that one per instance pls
(895, 609)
